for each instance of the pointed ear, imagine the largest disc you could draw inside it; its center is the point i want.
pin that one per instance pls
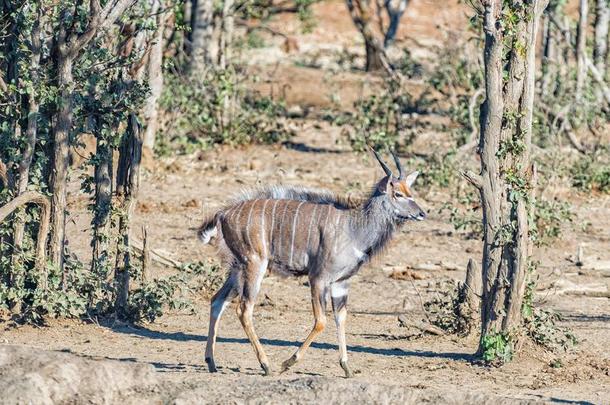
(384, 185)
(411, 178)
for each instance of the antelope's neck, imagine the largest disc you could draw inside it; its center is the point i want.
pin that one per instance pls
(372, 225)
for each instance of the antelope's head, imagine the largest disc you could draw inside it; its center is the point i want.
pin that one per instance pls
(398, 191)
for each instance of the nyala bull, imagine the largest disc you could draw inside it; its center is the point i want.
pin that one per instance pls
(304, 232)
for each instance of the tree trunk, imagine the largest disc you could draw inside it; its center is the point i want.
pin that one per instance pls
(103, 203)
(468, 309)
(226, 34)
(43, 230)
(581, 49)
(362, 17)
(602, 19)
(128, 183)
(505, 139)
(549, 56)
(600, 50)
(155, 80)
(26, 159)
(59, 173)
(394, 15)
(202, 27)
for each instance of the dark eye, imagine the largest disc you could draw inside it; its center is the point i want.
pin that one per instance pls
(398, 194)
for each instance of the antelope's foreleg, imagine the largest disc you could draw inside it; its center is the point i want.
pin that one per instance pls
(338, 294)
(219, 302)
(318, 304)
(252, 281)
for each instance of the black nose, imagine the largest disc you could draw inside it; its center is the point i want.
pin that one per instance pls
(421, 216)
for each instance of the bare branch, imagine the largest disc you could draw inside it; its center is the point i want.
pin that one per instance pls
(472, 178)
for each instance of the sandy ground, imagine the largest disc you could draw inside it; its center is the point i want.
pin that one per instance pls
(392, 365)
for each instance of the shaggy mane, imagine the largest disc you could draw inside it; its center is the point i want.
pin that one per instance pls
(280, 192)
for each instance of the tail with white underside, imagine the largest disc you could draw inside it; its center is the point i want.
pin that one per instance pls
(207, 231)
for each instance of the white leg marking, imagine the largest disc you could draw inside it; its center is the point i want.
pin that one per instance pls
(263, 236)
(313, 214)
(218, 308)
(338, 290)
(261, 274)
(294, 224)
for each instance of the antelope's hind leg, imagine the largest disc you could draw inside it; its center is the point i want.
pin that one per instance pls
(338, 295)
(251, 284)
(318, 304)
(220, 300)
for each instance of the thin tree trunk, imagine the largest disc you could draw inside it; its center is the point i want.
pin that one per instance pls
(43, 230)
(361, 16)
(128, 182)
(226, 34)
(602, 20)
(394, 15)
(26, 159)
(100, 242)
(202, 26)
(581, 49)
(549, 57)
(59, 173)
(155, 79)
(506, 242)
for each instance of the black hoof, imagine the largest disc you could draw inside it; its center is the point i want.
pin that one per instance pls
(289, 363)
(266, 370)
(348, 372)
(211, 365)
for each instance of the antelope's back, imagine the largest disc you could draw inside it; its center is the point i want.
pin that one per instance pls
(289, 233)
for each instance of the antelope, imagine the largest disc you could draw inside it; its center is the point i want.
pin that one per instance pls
(304, 232)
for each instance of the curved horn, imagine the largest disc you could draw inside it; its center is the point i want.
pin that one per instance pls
(401, 172)
(385, 167)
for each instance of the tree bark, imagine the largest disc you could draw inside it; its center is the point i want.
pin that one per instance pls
(202, 27)
(360, 12)
(581, 49)
(155, 79)
(602, 20)
(226, 34)
(100, 242)
(394, 15)
(128, 183)
(43, 230)
(59, 174)
(68, 46)
(506, 123)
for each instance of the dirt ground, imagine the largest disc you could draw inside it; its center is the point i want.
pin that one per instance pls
(392, 365)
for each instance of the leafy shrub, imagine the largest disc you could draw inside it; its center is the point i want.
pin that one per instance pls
(378, 120)
(217, 109)
(592, 172)
(549, 216)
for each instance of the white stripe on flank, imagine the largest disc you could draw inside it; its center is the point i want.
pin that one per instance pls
(326, 219)
(263, 236)
(294, 224)
(272, 224)
(248, 223)
(241, 207)
(279, 256)
(313, 214)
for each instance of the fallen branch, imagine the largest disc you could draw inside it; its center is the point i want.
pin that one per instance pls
(422, 326)
(474, 127)
(45, 213)
(156, 255)
(4, 174)
(599, 78)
